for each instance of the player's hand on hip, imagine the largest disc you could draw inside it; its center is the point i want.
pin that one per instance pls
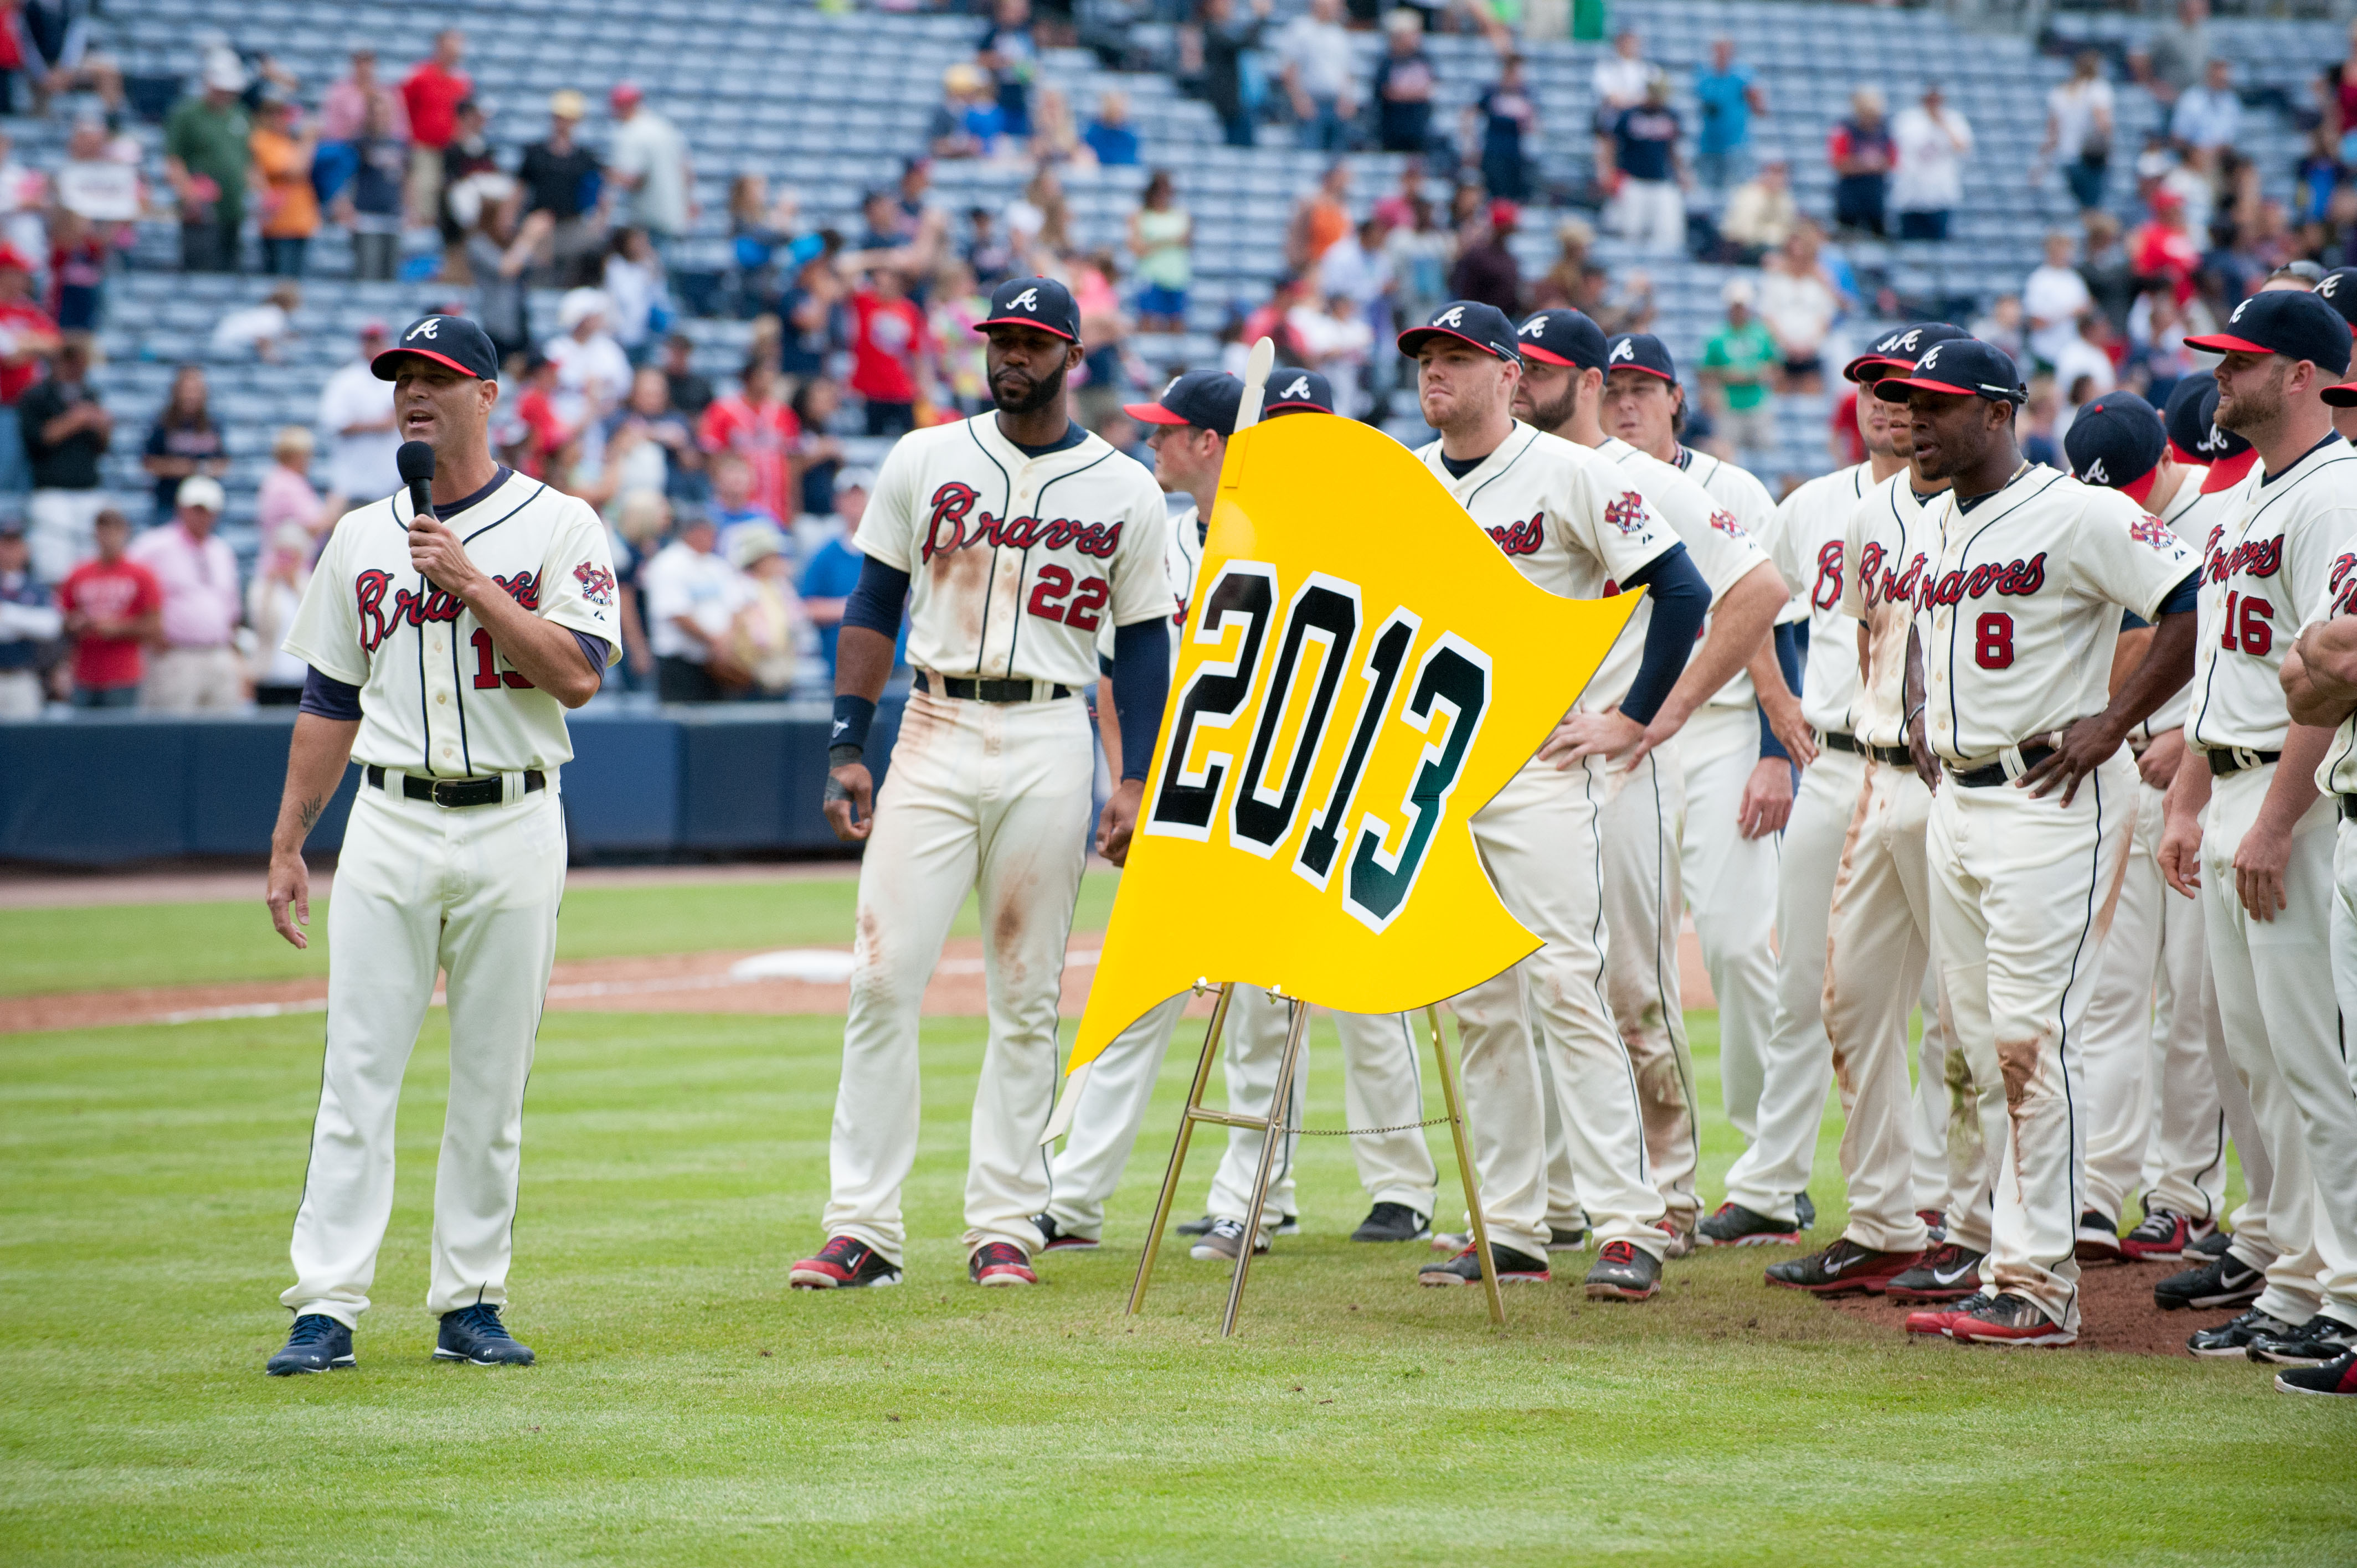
(2158, 765)
(1582, 735)
(2077, 751)
(2259, 862)
(2179, 853)
(1118, 821)
(850, 794)
(1793, 731)
(436, 550)
(1767, 802)
(288, 895)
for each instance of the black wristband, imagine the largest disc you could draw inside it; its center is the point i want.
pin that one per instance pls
(852, 717)
(843, 755)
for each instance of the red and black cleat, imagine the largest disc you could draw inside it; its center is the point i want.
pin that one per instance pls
(1000, 1263)
(843, 1263)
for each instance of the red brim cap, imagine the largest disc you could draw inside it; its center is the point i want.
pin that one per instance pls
(2227, 472)
(1855, 370)
(1151, 414)
(1920, 383)
(1421, 333)
(2182, 456)
(1533, 351)
(1273, 410)
(378, 368)
(2220, 343)
(1642, 370)
(1031, 321)
(2343, 395)
(2136, 489)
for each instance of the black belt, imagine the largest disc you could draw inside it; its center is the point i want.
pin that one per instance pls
(2348, 808)
(451, 792)
(986, 690)
(1888, 755)
(1993, 773)
(2234, 760)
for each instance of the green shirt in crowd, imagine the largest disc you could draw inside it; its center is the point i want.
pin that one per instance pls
(212, 140)
(1747, 354)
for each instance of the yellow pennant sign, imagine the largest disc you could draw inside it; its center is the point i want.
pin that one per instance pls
(1361, 669)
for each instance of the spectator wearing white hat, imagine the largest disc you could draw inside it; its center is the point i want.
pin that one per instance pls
(196, 669)
(1738, 369)
(206, 158)
(593, 374)
(356, 420)
(648, 169)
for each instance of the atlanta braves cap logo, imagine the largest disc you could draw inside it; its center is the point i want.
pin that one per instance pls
(1930, 357)
(2329, 286)
(452, 341)
(1034, 302)
(1027, 300)
(1533, 328)
(1901, 342)
(1298, 387)
(2095, 473)
(429, 327)
(1454, 316)
(1623, 349)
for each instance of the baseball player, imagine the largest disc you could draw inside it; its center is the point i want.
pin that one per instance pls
(1810, 545)
(2010, 657)
(1014, 536)
(1570, 520)
(2145, 1049)
(1737, 754)
(1190, 422)
(1561, 392)
(444, 647)
(2250, 831)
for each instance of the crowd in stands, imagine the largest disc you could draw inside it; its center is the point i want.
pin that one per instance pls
(731, 503)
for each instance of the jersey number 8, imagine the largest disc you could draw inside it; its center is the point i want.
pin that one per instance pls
(1993, 640)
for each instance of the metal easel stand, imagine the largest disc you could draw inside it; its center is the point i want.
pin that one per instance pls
(1272, 1126)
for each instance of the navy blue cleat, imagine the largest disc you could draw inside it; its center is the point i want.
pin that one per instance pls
(475, 1335)
(318, 1344)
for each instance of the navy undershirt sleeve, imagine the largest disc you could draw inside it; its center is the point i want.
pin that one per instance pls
(875, 602)
(1788, 659)
(1141, 685)
(1680, 598)
(595, 650)
(2185, 596)
(329, 698)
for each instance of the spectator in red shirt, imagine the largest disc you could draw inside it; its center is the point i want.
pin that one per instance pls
(432, 95)
(759, 427)
(27, 335)
(113, 609)
(545, 434)
(2163, 249)
(1842, 439)
(888, 343)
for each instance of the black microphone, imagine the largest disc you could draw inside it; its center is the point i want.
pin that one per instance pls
(415, 461)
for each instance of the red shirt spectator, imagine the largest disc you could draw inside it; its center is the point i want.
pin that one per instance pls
(27, 331)
(104, 601)
(433, 91)
(888, 338)
(1848, 445)
(759, 427)
(2165, 249)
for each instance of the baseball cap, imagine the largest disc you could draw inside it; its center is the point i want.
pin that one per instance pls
(2337, 289)
(2192, 403)
(1205, 398)
(2293, 323)
(1965, 367)
(579, 304)
(451, 341)
(1896, 350)
(2116, 441)
(1034, 302)
(1297, 392)
(224, 72)
(1639, 351)
(854, 479)
(564, 103)
(1564, 338)
(1484, 326)
(201, 490)
(625, 92)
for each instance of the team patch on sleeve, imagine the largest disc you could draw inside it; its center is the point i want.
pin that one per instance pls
(597, 583)
(2150, 530)
(1628, 514)
(1724, 521)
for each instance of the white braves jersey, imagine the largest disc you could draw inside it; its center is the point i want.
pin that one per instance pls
(1888, 545)
(2266, 565)
(1809, 542)
(1754, 510)
(437, 696)
(2189, 514)
(1724, 552)
(2337, 774)
(1572, 522)
(1182, 553)
(1016, 564)
(2021, 611)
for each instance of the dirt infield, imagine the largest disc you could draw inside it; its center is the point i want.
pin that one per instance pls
(2116, 1312)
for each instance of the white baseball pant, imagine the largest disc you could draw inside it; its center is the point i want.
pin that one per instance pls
(1730, 886)
(1105, 1123)
(1946, 1176)
(2280, 1011)
(1538, 841)
(2250, 1244)
(1645, 901)
(988, 796)
(2021, 887)
(419, 888)
(1798, 1065)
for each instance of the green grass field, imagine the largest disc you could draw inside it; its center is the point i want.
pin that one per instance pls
(690, 1409)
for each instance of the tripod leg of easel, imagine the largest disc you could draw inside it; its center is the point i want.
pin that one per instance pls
(1278, 1101)
(1465, 1167)
(1179, 1151)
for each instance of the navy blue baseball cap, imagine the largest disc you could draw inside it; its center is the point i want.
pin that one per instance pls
(1034, 302)
(1639, 351)
(2190, 418)
(2292, 322)
(2337, 289)
(1297, 392)
(1896, 350)
(451, 341)
(1963, 367)
(1484, 326)
(2116, 441)
(1564, 338)
(1205, 398)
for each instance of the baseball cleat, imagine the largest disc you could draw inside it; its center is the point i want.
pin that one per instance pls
(1054, 1237)
(1946, 1273)
(1804, 1210)
(1288, 1225)
(2312, 1344)
(1195, 1226)
(2232, 1340)
(2010, 1320)
(476, 1335)
(1513, 1269)
(2099, 1238)
(1936, 1222)
(1843, 1269)
(1000, 1263)
(844, 1263)
(2159, 1234)
(1681, 1240)
(1392, 1222)
(2222, 1282)
(1939, 1319)
(2338, 1376)
(2212, 1243)
(1624, 1271)
(317, 1344)
(1566, 1238)
(1226, 1242)
(1448, 1243)
(1732, 1225)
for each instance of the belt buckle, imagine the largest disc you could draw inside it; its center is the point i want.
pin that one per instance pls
(453, 786)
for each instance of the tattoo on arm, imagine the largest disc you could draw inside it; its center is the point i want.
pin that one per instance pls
(311, 811)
